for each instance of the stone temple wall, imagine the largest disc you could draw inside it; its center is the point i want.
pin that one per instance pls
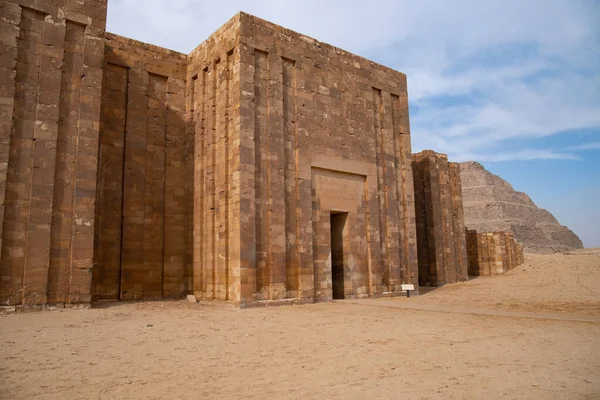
(263, 167)
(142, 246)
(51, 62)
(442, 254)
(323, 133)
(213, 118)
(492, 253)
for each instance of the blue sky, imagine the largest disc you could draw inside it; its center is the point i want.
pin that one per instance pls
(512, 84)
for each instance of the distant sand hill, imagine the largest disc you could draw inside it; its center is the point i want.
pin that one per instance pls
(491, 204)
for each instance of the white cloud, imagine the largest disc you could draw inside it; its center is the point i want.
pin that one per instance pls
(517, 155)
(508, 110)
(585, 146)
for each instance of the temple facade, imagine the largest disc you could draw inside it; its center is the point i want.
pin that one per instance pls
(263, 167)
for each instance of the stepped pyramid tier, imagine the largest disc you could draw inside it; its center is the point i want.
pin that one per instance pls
(491, 204)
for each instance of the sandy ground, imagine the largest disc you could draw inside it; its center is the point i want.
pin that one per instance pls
(557, 283)
(337, 350)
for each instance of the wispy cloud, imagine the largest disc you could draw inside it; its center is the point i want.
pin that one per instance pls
(585, 146)
(526, 86)
(516, 155)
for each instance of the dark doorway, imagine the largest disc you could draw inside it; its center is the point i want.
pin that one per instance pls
(338, 222)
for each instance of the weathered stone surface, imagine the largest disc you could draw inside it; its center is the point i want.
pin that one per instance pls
(49, 120)
(491, 204)
(264, 167)
(442, 254)
(191, 298)
(492, 253)
(289, 132)
(142, 247)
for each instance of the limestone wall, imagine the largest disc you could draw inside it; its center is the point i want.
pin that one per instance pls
(213, 103)
(442, 254)
(128, 171)
(278, 121)
(51, 58)
(142, 247)
(321, 131)
(492, 253)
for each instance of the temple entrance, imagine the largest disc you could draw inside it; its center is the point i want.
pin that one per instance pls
(338, 223)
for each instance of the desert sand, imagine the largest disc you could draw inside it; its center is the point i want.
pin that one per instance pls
(371, 349)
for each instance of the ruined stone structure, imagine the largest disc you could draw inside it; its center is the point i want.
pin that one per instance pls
(442, 253)
(520, 253)
(263, 167)
(492, 253)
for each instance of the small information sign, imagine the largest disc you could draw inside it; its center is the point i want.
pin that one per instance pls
(407, 288)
